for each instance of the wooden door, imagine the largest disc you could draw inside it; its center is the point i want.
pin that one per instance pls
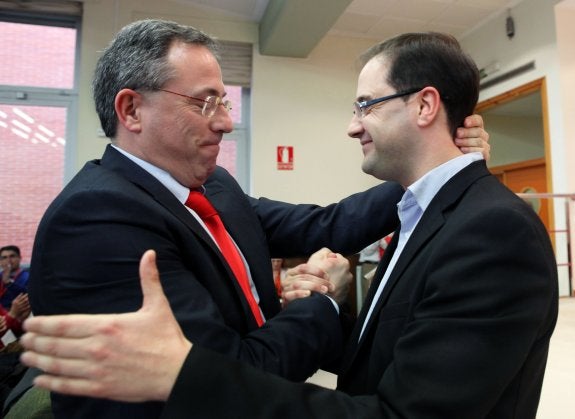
(529, 176)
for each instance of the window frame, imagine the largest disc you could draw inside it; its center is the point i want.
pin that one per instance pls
(48, 96)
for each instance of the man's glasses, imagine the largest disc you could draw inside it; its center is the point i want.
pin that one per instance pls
(361, 109)
(211, 103)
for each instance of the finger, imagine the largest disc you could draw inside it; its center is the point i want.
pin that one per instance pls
(67, 325)
(468, 134)
(295, 281)
(71, 386)
(150, 282)
(310, 286)
(474, 120)
(293, 295)
(309, 269)
(75, 368)
(319, 255)
(321, 252)
(59, 347)
(471, 149)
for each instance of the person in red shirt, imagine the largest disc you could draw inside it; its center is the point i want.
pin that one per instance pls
(12, 319)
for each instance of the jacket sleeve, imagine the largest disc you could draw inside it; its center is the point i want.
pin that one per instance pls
(477, 339)
(345, 227)
(204, 388)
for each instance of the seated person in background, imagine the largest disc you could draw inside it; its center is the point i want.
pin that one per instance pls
(11, 369)
(370, 257)
(12, 319)
(14, 278)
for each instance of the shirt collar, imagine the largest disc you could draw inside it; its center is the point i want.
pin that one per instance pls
(180, 191)
(426, 187)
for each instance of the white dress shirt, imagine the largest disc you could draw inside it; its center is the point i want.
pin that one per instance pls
(181, 193)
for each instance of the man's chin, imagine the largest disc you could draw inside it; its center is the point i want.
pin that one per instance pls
(371, 168)
(367, 166)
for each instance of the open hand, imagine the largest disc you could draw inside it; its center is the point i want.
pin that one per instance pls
(128, 357)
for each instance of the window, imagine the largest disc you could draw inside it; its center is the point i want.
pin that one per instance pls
(37, 109)
(38, 112)
(234, 149)
(236, 63)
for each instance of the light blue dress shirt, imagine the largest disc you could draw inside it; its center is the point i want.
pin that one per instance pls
(413, 204)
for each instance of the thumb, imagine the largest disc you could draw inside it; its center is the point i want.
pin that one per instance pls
(150, 282)
(318, 256)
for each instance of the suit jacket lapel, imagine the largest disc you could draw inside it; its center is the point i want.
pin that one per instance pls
(431, 221)
(117, 162)
(239, 228)
(353, 341)
(236, 215)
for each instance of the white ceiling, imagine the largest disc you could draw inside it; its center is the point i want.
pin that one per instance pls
(380, 19)
(374, 19)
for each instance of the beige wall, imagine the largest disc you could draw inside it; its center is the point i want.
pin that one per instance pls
(534, 40)
(565, 17)
(514, 139)
(306, 103)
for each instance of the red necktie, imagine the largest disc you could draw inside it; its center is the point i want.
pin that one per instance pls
(199, 203)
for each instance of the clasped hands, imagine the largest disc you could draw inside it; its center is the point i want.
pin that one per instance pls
(20, 310)
(325, 272)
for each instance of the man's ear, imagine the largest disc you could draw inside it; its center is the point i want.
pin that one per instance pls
(429, 102)
(127, 105)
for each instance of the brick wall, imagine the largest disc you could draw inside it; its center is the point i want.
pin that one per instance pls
(32, 138)
(31, 171)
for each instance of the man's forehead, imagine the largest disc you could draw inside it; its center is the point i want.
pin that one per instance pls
(372, 77)
(377, 68)
(197, 67)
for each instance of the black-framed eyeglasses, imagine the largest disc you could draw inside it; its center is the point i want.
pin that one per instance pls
(211, 103)
(360, 109)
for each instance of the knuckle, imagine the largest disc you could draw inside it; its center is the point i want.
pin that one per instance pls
(98, 351)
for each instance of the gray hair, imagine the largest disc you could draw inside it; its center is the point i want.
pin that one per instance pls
(136, 59)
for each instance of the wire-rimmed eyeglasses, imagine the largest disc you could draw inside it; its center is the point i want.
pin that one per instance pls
(360, 109)
(211, 103)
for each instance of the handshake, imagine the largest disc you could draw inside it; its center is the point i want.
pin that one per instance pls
(325, 272)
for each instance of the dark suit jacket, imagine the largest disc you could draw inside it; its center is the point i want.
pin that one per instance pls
(90, 240)
(461, 330)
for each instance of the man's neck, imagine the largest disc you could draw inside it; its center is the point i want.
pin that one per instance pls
(433, 151)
